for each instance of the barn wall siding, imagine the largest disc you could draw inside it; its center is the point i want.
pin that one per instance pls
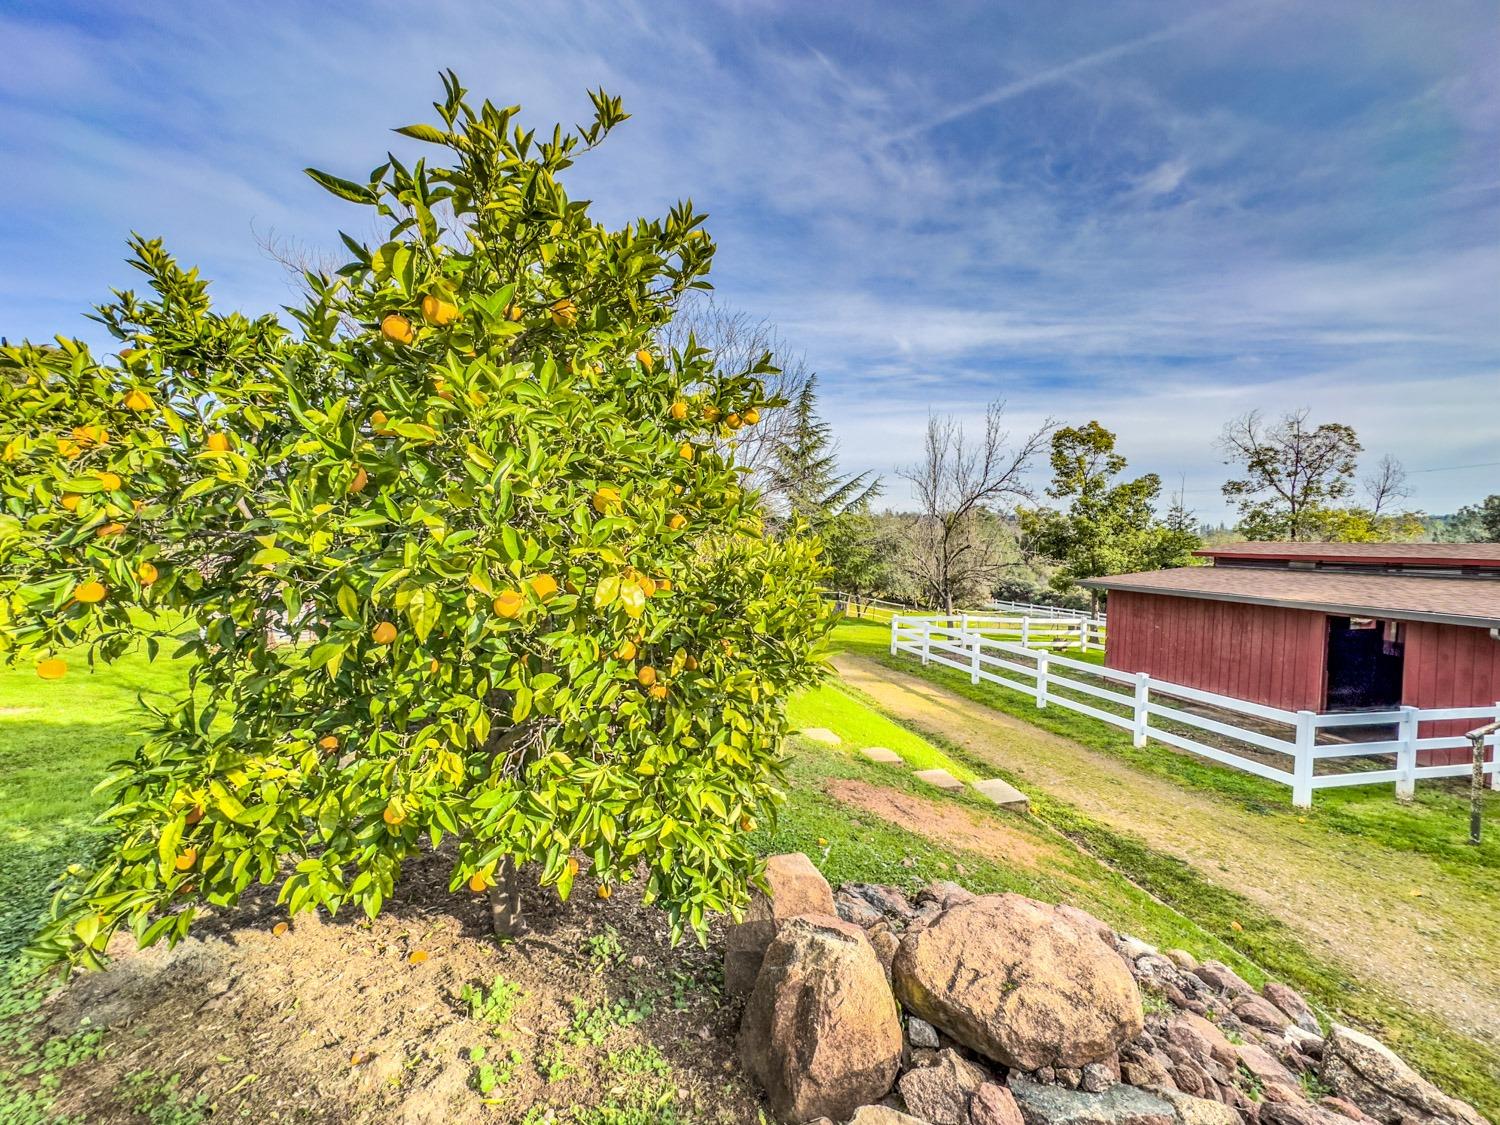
(1260, 653)
(1449, 666)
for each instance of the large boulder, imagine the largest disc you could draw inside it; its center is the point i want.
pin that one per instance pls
(1201, 1111)
(1119, 1105)
(793, 886)
(940, 1093)
(821, 1031)
(1019, 982)
(1376, 1079)
(882, 1115)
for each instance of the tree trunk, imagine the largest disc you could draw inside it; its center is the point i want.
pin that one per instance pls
(505, 900)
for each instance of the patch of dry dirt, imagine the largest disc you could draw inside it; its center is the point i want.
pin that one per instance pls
(338, 1021)
(943, 822)
(1351, 901)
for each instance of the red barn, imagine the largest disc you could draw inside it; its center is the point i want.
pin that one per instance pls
(1319, 626)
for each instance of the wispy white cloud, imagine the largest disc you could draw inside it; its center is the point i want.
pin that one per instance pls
(1196, 211)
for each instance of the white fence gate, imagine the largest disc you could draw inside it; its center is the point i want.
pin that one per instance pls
(980, 647)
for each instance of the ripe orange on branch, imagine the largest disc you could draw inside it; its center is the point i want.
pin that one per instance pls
(137, 400)
(564, 313)
(397, 329)
(52, 668)
(384, 633)
(89, 592)
(437, 311)
(509, 603)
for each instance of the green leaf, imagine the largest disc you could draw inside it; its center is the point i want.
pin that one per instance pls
(344, 189)
(424, 133)
(423, 611)
(607, 591)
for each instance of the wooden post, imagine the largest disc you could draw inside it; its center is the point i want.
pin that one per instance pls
(1406, 757)
(926, 640)
(1025, 632)
(1142, 697)
(1083, 634)
(1041, 678)
(974, 657)
(895, 629)
(1476, 781)
(1302, 768)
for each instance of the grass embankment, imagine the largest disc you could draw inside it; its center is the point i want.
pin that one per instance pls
(1434, 826)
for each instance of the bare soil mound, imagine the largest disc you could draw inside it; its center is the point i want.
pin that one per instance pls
(419, 1016)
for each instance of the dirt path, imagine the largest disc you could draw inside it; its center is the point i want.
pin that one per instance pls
(1351, 901)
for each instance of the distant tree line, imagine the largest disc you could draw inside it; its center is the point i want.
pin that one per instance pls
(977, 530)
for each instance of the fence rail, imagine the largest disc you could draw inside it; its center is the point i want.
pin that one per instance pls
(979, 645)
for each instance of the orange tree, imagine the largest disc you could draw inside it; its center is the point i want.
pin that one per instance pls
(463, 557)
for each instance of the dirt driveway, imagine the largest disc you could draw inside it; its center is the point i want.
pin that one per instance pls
(1392, 917)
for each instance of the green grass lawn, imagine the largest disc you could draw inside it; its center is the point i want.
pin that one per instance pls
(57, 739)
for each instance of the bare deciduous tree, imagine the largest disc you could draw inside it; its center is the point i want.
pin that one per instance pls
(1386, 485)
(738, 341)
(959, 484)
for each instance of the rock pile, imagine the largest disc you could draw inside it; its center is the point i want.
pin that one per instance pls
(1016, 1012)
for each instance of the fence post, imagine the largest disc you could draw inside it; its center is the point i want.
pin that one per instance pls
(1083, 634)
(1041, 678)
(974, 657)
(1406, 757)
(926, 639)
(895, 627)
(1025, 632)
(1142, 696)
(1302, 767)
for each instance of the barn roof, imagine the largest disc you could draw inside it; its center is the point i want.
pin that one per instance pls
(1456, 601)
(1430, 554)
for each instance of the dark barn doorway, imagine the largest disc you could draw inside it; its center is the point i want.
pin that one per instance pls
(1364, 664)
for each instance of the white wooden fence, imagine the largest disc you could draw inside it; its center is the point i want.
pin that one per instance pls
(1027, 623)
(1031, 609)
(1132, 700)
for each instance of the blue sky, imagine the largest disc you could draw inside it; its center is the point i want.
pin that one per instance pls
(1156, 214)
